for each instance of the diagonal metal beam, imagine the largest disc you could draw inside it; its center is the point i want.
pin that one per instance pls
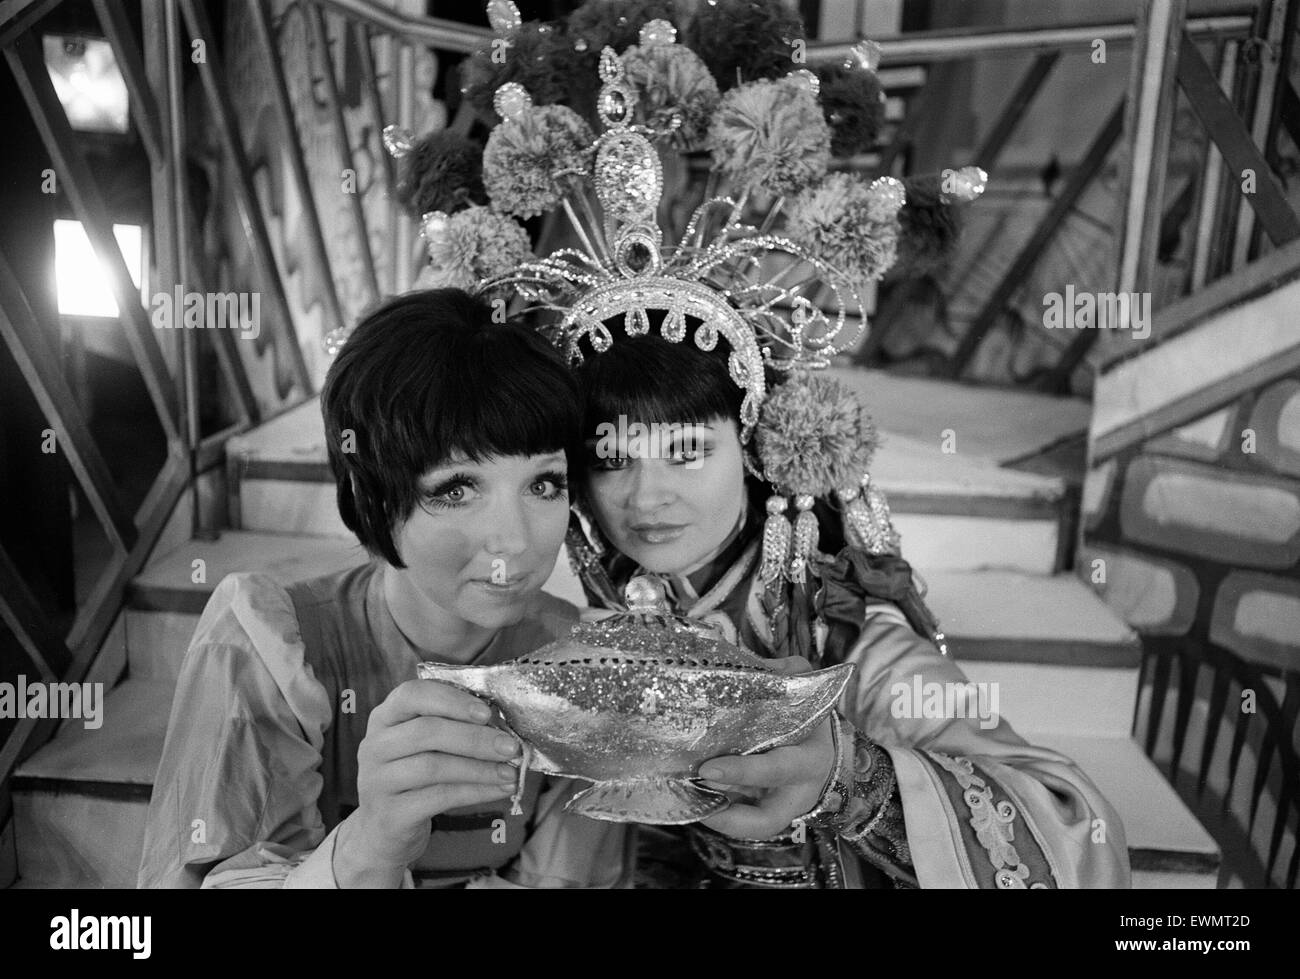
(1209, 208)
(250, 212)
(144, 107)
(370, 83)
(370, 79)
(1234, 142)
(17, 16)
(231, 362)
(95, 618)
(320, 43)
(22, 614)
(1031, 83)
(1025, 260)
(103, 606)
(1057, 379)
(264, 37)
(1289, 112)
(28, 66)
(1271, 69)
(433, 32)
(39, 367)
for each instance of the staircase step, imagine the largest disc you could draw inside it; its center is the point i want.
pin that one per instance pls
(994, 425)
(80, 801)
(1006, 616)
(1061, 659)
(279, 478)
(1168, 847)
(168, 584)
(943, 543)
(959, 512)
(164, 602)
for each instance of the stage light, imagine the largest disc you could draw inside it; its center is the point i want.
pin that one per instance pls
(82, 281)
(87, 80)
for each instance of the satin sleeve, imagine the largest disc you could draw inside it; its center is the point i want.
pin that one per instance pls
(235, 797)
(981, 806)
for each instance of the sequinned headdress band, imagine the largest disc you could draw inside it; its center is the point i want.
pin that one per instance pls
(781, 290)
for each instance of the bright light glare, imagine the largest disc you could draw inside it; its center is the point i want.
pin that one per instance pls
(83, 283)
(88, 82)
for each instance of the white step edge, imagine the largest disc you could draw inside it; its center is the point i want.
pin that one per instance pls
(1250, 336)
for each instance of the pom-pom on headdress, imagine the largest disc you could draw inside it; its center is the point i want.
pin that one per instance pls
(782, 293)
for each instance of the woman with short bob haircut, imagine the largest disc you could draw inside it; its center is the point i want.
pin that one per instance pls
(301, 750)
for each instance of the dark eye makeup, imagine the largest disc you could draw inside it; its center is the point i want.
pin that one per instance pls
(451, 493)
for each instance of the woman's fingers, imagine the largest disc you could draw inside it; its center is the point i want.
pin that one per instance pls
(434, 768)
(771, 769)
(790, 665)
(422, 734)
(429, 698)
(420, 805)
(751, 822)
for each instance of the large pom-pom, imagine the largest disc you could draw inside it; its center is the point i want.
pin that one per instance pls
(537, 56)
(853, 103)
(671, 80)
(849, 224)
(442, 172)
(598, 24)
(930, 226)
(471, 245)
(745, 40)
(814, 436)
(530, 161)
(771, 135)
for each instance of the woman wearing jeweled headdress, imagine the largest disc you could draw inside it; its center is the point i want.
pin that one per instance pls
(721, 459)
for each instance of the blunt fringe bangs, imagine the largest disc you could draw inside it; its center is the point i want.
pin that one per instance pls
(426, 378)
(650, 379)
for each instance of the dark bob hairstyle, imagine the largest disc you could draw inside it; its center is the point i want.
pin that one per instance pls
(426, 377)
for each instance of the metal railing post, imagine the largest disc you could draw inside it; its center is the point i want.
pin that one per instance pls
(405, 117)
(1148, 121)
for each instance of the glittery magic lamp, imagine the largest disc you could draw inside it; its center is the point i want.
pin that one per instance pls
(636, 702)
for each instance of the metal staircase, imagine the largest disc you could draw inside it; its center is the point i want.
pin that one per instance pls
(993, 527)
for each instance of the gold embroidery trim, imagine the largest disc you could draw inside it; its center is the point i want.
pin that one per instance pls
(994, 824)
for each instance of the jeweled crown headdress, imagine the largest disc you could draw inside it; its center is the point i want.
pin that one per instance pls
(784, 292)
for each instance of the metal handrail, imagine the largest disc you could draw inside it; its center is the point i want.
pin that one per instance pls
(928, 46)
(954, 45)
(447, 35)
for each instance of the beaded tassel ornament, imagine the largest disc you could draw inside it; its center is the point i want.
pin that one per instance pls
(774, 266)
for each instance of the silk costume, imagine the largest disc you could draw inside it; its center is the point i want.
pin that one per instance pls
(932, 802)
